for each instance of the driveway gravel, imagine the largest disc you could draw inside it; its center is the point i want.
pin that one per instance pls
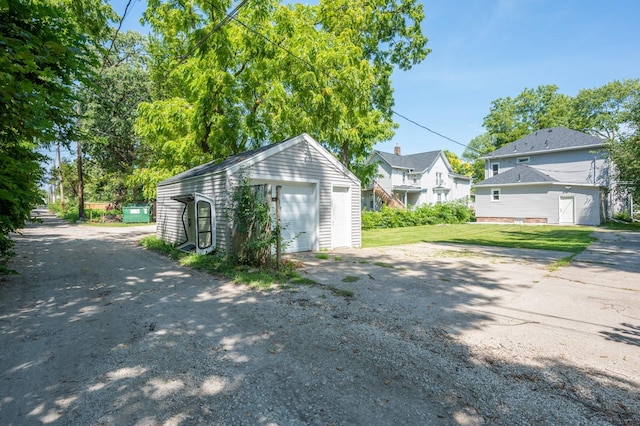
(95, 330)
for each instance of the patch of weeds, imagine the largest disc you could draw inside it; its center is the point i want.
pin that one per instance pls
(350, 279)
(561, 262)
(337, 258)
(322, 256)
(152, 242)
(384, 265)
(446, 280)
(261, 278)
(363, 261)
(340, 292)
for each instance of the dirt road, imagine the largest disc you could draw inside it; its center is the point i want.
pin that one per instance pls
(96, 330)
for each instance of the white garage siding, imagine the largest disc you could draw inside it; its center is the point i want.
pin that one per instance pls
(298, 161)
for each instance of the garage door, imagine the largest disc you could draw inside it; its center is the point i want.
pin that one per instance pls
(298, 217)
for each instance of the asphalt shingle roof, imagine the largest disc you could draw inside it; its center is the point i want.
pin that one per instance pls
(518, 174)
(417, 162)
(217, 165)
(555, 138)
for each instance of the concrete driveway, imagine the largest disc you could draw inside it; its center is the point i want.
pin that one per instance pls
(509, 303)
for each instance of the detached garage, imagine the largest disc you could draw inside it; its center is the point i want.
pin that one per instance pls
(319, 199)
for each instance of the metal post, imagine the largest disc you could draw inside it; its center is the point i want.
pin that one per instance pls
(278, 234)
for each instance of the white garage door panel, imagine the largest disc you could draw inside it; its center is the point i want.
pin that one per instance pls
(298, 217)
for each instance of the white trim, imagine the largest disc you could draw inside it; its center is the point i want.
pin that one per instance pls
(572, 148)
(573, 184)
(498, 190)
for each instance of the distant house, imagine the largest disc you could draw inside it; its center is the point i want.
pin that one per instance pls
(319, 199)
(413, 180)
(554, 175)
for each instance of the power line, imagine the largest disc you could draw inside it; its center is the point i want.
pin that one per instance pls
(225, 20)
(336, 79)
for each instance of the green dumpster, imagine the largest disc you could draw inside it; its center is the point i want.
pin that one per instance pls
(136, 213)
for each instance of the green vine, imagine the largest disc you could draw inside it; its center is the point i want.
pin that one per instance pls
(253, 234)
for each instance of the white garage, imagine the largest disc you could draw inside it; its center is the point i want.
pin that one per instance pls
(319, 199)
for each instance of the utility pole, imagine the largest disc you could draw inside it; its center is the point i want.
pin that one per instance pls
(60, 179)
(80, 184)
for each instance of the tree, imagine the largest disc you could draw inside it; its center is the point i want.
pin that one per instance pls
(479, 146)
(510, 119)
(460, 167)
(45, 53)
(606, 111)
(109, 106)
(274, 72)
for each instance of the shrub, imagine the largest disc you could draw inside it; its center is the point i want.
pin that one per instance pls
(454, 212)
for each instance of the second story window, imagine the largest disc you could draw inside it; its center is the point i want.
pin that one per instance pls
(439, 181)
(495, 168)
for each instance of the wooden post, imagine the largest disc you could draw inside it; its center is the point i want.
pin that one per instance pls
(278, 234)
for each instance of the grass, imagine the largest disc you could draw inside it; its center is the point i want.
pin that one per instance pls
(623, 226)
(572, 239)
(284, 278)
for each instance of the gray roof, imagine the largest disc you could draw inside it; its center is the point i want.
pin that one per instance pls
(217, 165)
(416, 162)
(556, 138)
(519, 174)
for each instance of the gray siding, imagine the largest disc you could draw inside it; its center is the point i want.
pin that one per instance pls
(169, 212)
(299, 163)
(538, 201)
(581, 166)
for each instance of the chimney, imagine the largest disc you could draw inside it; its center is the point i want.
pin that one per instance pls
(396, 150)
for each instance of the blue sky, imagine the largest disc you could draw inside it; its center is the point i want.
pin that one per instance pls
(487, 49)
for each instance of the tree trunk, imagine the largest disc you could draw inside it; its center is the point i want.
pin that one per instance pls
(80, 184)
(60, 179)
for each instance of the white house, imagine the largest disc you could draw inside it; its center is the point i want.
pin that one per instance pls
(413, 180)
(319, 198)
(554, 175)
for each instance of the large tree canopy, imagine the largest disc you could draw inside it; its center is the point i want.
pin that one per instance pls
(45, 53)
(109, 106)
(273, 72)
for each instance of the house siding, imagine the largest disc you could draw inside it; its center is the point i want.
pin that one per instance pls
(581, 166)
(300, 163)
(530, 203)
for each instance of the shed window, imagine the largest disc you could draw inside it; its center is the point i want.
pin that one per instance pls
(495, 194)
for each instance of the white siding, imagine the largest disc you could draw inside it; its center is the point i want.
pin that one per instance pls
(300, 163)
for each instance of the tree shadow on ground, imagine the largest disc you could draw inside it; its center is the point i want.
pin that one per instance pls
(98, 331)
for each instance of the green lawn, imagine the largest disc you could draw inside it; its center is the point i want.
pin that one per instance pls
(572, 239)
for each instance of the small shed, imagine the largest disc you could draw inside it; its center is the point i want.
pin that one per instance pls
(320, 198)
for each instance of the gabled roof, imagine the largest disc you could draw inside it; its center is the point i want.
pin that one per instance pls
(416, 162)
(217, 165)
(546, 140)
(248, 158)
(519, 174)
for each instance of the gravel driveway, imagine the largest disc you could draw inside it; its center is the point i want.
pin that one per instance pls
(96, 330)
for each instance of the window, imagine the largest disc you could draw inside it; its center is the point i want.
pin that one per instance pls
(439, 180)
(439, 197)
(404, 177)
(495, 168)
(523, 160)
(495, 194)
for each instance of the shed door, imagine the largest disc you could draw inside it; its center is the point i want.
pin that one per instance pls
(340, 217)
(298, 217)
(566, 210)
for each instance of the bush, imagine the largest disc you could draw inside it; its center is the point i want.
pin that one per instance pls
(427, 214)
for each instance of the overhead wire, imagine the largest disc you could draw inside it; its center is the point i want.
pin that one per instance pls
(336, 79)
